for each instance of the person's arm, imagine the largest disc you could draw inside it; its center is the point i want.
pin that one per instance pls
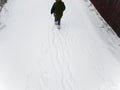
(53, 9)
(64, 7)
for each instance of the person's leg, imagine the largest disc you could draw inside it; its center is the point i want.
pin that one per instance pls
(59, 21)
(56, 21)
(58, 26)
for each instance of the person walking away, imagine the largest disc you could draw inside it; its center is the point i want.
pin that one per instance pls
(57, 9)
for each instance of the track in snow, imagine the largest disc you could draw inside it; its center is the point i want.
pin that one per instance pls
(36, 56)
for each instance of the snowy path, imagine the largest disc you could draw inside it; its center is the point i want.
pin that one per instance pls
(36, 56)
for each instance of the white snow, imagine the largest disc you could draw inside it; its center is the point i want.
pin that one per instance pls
(34, 55)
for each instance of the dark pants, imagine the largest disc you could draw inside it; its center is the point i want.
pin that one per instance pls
(57, 21)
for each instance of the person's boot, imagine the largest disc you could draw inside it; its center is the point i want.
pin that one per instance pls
(58, 26)
(56, 22)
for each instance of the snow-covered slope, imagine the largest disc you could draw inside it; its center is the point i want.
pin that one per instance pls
(34, 55)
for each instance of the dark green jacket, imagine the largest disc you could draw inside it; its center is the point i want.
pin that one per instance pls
(58, 8)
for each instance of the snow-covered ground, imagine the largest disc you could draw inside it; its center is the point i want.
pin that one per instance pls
(34, 55)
